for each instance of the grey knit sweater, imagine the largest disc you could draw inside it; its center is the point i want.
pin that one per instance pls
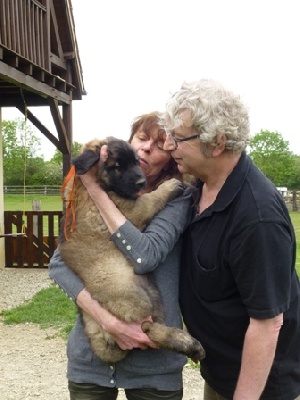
(156, 251)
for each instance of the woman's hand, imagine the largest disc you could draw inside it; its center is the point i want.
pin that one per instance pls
(89, 179)
(129, 336)
(111, 216)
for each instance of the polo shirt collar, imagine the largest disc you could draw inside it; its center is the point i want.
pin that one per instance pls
(232, 184)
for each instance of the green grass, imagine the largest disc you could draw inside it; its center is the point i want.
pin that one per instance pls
(295, 216)
(18, 202)
(49, 307)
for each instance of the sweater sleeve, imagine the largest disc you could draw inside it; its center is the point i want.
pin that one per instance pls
(147, 249)
(64, 277)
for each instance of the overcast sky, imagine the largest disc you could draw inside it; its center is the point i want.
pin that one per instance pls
(136, 53)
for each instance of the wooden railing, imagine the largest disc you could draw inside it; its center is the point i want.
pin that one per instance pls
(23, 29)
(32, 189)
(30, 237)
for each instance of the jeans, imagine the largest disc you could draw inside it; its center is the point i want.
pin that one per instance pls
(86, 391)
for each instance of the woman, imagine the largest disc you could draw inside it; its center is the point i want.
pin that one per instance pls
(153, 373)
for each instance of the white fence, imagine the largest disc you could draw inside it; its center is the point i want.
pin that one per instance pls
(43, 189)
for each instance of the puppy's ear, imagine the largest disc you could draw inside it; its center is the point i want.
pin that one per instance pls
(85, 161)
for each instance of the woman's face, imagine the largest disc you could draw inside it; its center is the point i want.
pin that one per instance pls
(149, 148)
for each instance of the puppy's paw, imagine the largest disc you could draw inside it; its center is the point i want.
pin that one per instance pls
(173, 187)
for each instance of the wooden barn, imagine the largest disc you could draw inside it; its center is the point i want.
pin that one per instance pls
(39, 66)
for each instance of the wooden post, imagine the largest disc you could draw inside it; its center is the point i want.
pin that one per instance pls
(36, 206)
(294, 200)
(2, 244)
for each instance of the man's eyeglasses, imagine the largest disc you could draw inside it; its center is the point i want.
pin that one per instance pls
(170, 135)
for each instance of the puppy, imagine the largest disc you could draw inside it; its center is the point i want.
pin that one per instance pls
(105, 271)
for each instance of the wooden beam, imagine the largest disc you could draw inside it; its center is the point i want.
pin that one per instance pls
(37, 123)
(10, 74)
(60, 126)
(59, 49)
(67, 118)
(58, 61)
(69, 55)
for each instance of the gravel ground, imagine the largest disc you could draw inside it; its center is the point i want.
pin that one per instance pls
(32, 361)
(19, 284)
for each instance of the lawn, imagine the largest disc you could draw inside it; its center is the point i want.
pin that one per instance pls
(49, 307)
(18, 202)
(295, 216)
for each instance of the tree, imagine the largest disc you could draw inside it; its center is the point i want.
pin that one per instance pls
(294, 182)
(21, 163)
(53, 173)
(55, 165)
(57, 157)
(20, 146)
(272, 155)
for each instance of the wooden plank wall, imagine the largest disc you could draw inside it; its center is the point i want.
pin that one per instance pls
(22, 29)
(26, 246)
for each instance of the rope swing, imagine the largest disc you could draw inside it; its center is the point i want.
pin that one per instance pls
(25, 164)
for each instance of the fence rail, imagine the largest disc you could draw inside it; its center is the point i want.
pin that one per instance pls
(33, 189)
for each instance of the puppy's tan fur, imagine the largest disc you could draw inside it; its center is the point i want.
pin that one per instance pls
(109, 276)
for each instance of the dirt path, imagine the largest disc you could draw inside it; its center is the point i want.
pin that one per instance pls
(32, 361)
(31, 366)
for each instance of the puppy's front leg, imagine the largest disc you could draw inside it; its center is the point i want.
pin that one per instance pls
(149, 204)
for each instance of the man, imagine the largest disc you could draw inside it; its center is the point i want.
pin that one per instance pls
(240, 294)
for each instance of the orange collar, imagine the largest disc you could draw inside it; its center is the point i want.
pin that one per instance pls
(70, 201)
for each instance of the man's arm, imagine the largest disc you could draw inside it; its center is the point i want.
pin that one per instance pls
(257, 358)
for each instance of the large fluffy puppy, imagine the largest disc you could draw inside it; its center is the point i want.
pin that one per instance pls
(105, 271)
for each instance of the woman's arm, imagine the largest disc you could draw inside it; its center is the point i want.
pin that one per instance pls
(147, 249)
(64, 277)
(127, 336)
(110, 214)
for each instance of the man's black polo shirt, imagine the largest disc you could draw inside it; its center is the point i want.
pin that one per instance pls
(238, 262)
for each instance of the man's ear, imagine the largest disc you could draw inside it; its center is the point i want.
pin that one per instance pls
(85, 161)
(219, 144)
